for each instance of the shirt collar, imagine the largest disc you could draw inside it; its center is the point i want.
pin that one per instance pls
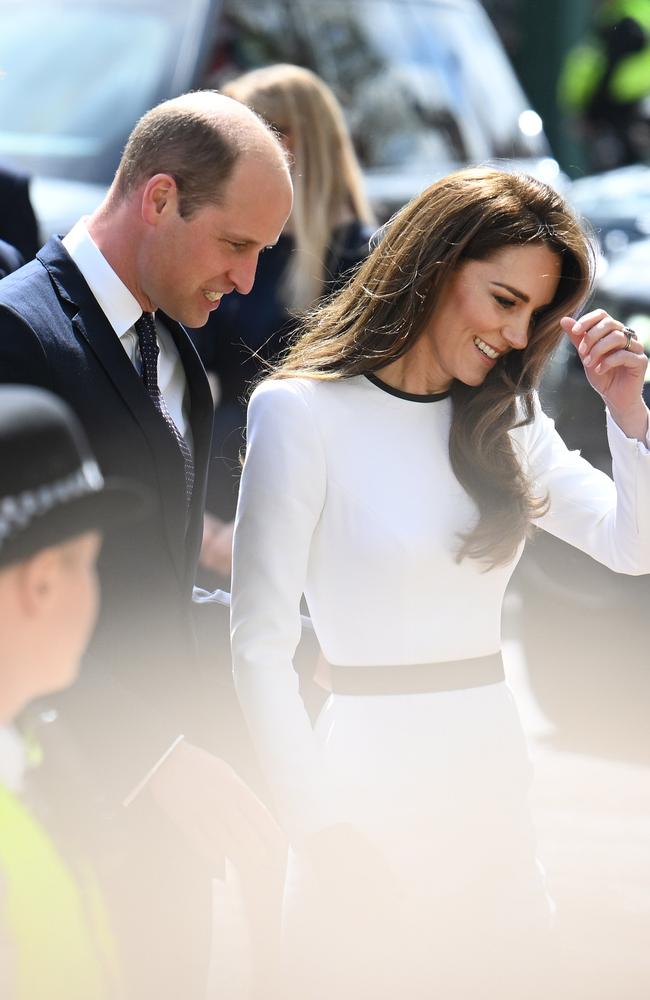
(120, 307)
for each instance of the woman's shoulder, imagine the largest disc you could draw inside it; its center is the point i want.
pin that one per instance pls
(308, 392)
(301, 411)
(283, 388)
(279, 396)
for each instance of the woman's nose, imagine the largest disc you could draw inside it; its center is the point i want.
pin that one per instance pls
(516, 334)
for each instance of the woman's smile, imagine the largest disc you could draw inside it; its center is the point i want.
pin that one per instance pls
(489, 353)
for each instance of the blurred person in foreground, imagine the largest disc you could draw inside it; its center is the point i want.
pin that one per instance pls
(327, 233)
(396, 459)
(54, 504)
(202, 187)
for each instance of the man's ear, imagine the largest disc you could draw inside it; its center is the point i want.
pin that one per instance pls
(159, 198)
(37, 579)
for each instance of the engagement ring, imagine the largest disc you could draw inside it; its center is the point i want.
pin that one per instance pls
(630, 335)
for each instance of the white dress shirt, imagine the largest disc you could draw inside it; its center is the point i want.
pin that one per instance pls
(122, 310)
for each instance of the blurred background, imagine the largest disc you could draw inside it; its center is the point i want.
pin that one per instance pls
(560, 89)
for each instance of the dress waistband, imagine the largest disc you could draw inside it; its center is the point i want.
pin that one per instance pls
(411, 678)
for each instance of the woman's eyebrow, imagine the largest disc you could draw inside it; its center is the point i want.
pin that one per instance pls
(514, 291)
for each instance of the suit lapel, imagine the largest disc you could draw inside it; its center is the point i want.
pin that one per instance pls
(92, 326)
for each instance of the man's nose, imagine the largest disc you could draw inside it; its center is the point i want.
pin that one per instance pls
(242, 275)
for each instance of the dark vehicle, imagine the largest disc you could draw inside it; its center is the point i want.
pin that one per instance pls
(586, 630)
(425, 84)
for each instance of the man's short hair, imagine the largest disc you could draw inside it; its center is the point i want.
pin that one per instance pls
(186, 141)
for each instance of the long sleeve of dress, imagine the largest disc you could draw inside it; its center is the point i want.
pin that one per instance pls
(608, 519)
(281, 498)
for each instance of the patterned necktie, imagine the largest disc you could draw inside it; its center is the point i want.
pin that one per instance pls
(145, 328)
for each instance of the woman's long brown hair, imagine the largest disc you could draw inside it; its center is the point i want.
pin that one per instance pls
(390, 299)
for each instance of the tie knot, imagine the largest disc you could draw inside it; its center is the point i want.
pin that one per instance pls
(145, 327)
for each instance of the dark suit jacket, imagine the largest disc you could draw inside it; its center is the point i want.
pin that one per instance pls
(141, 684)
(17, 220)
(10, 259)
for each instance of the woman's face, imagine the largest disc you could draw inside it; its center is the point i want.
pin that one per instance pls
(488, 308)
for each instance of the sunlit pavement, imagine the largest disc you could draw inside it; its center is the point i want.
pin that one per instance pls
(592, 816)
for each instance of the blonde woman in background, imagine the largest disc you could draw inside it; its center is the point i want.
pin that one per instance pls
(327, 234)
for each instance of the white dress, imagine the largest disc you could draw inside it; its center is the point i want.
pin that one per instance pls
(348, 496)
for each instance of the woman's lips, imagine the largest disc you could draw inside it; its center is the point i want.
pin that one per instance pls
(486, 349)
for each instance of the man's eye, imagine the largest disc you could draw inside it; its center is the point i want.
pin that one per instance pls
(237, 247)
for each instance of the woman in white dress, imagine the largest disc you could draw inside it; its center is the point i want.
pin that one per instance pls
(395, 461)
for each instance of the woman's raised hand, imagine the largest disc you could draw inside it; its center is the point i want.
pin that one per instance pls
(615, 365)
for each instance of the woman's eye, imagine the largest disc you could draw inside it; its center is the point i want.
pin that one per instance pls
(505, 303)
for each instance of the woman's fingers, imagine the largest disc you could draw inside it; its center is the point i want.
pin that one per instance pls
(593, 326)
(615, 365)
(592, 352)
(598, 336)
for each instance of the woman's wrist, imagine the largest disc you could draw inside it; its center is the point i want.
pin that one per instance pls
(634, 421)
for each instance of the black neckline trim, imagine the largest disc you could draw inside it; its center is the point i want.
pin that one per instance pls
(413, 397)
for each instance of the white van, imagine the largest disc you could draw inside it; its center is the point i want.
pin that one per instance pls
(426, 84)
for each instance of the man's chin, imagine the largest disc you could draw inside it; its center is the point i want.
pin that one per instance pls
(201, 316)
(194, 319)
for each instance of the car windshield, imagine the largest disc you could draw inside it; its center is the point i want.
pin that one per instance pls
(421, 81)
(74, 81)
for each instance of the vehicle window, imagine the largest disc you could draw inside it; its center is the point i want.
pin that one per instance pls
(250, 34)
(401, 84)
(421, 82)
(95, 53)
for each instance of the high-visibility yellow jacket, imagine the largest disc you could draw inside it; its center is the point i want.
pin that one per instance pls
(54, 927)
(586, 65)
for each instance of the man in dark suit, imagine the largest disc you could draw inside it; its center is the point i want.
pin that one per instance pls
(202, 188)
